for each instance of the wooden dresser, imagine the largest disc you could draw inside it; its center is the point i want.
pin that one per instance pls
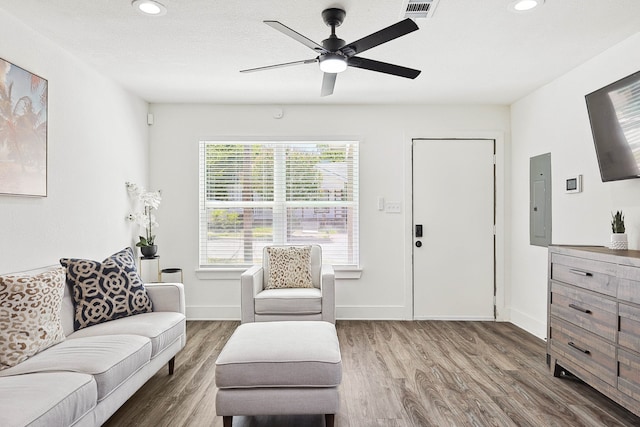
(593, 320)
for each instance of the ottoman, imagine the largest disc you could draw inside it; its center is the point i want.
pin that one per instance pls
(279, 368)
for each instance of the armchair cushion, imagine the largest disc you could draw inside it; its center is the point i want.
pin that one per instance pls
(289, 301)
(289, 267)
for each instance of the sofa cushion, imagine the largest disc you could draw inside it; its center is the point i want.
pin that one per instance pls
(162, 328)
(29, 314)
(289, 301)
(46, 399)
(110, 359)
(280, 354)
(106, 290)
(289, 267)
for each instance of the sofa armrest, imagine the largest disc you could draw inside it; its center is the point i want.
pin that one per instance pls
(328, 287)
(251, 282)
(166, 296)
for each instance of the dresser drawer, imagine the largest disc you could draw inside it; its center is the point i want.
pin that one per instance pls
(590, 311)
(629, 327)
(597, 276)
(629, 284)
(584, 349)
(629, 373)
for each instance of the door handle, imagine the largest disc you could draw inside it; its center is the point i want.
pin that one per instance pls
(418, 230)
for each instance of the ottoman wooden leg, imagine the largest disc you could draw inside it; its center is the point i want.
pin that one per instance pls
(227, 421)
(329, 419)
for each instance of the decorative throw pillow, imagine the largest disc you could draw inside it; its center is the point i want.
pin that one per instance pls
(289, 267)
(29, 314)
(106, 290)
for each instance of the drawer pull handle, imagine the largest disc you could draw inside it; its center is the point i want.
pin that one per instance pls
(581, 273)
(577, 307)
(571, 344)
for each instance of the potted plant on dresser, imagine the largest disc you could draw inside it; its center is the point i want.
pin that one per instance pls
(618, 236)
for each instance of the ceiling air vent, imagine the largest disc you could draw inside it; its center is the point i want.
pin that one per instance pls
(420, 8)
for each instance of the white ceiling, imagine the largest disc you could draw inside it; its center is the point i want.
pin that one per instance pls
(471, 51)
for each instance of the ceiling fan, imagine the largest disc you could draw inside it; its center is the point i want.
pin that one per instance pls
(335, 55)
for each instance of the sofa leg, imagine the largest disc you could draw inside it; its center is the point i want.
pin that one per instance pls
(172, 364)
(227, 421)
(329, 419)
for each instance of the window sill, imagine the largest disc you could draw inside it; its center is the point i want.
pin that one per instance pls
(342, 273)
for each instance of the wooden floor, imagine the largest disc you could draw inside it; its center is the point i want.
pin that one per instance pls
(421, 373)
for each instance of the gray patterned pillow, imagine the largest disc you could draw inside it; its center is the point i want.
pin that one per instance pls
(29, 314)
(106, 290)
(289, 267)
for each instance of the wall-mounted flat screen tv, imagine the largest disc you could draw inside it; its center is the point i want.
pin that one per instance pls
(614, 113)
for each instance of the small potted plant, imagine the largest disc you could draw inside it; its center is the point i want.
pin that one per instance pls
(618, 236)
(149, 200)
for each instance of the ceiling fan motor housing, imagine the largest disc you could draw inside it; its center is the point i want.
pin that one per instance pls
(333, 43)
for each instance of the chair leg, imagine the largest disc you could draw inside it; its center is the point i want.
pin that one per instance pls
(172, 364)
(329, 419)
(227, 421)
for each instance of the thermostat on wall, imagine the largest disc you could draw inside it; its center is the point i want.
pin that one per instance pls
(573, 184)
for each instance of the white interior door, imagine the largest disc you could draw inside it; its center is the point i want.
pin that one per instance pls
(453, 200)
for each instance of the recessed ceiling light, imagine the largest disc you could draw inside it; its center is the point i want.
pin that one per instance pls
(524, 5)
(149, 7)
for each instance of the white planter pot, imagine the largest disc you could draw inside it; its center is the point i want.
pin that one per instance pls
(619, 241)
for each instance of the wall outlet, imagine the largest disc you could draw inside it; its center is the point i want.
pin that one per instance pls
(393, 207)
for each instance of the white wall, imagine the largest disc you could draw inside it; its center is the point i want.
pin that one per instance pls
(97, 140)
(554, 119)
(383, 291)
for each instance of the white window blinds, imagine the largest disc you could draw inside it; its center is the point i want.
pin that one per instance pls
(259, 193)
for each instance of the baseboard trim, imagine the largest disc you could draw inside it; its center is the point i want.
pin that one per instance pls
(529, 324)
(457, 318)
(213, 312)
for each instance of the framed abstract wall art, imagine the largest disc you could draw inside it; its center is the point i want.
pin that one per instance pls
(23, 132)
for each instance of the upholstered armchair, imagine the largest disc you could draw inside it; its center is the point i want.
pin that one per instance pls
(291, 284)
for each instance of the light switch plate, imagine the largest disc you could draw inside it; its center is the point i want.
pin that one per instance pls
(393, 207)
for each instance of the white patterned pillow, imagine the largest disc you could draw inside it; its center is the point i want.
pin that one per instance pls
(106, 290)
(29, 314)
(289, 267)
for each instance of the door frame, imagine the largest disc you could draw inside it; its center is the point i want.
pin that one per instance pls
(501, 296)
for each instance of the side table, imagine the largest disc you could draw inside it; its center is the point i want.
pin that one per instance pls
(158, 273)
(171, 271)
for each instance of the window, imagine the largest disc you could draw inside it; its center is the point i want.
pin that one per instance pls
(259, 193)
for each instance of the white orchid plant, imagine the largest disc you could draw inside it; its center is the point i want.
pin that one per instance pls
(149, 200)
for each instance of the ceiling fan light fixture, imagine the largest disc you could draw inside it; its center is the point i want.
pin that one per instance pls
(333, 63)
(149, 7)
(525, 5)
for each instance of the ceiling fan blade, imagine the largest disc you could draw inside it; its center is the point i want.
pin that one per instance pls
(286, 64)
(399, 29)
(296, 36)
(382, 67)
(328, 83)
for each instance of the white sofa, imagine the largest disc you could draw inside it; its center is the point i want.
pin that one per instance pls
(84, 379)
